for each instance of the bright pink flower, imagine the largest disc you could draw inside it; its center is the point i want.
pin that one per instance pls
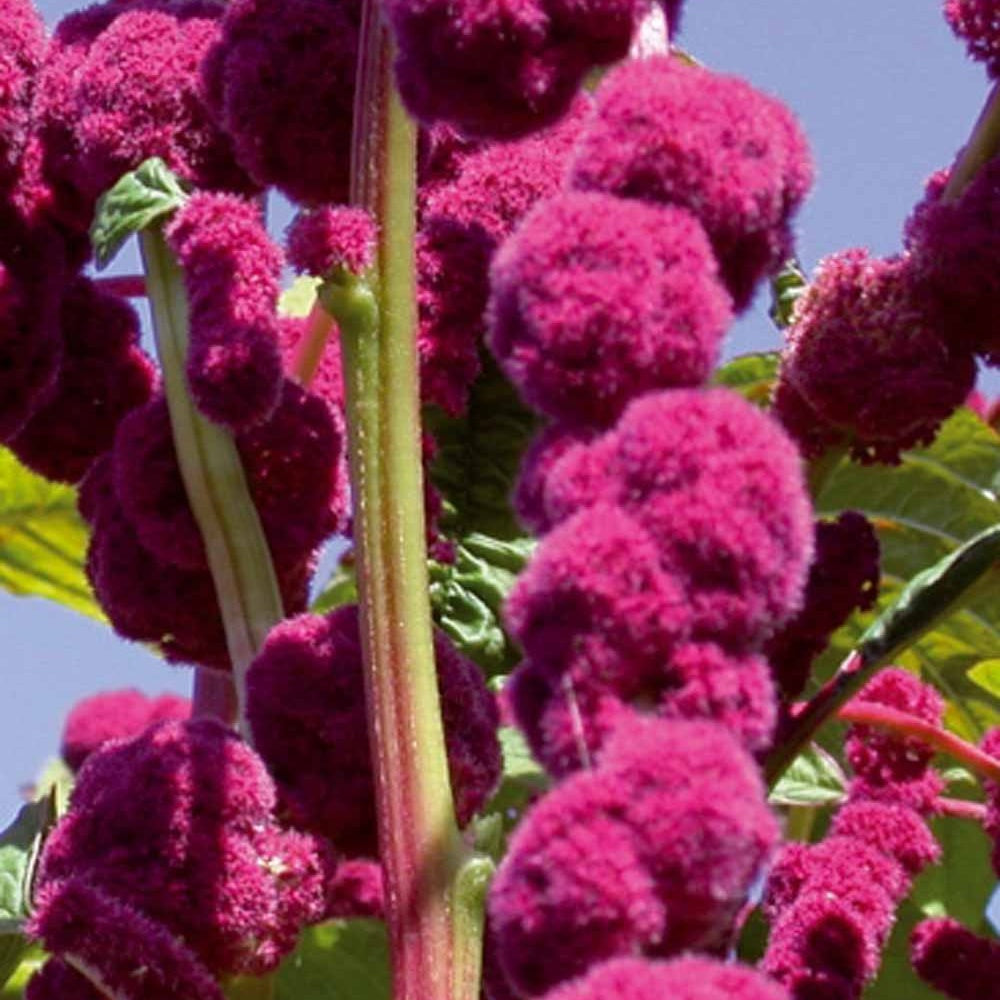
(462, 222)
(111, 715)
(991, 745)
(682, 135)
(232, 272)
(332, 236)
(896, 830)
(104, 374)
(22, 44)
(977, 22)
(306, 708)
(356, 890)
(596, 299)
(176, 824)
(889, 767)
(280, 80)
(844, 576)
(955, 249)
(950, 958)
(867, 359)
(55, 980)
(502, 71)
(130, 955)
(690, 978)
(654, 852)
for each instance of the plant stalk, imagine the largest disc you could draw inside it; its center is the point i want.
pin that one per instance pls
(214, 696)
(431, 917)
(238, 556)
(309, 350)
(983, 145)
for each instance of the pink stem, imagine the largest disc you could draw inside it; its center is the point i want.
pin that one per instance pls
(128, 286)
(962, 809)
(870, 714)
(309, 350)
(214, 696)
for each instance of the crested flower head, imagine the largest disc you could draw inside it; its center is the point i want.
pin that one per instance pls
(976, 22)
(22, 45)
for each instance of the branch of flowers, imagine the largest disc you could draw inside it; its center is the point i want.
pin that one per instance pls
(128, 286)
(434, 920)
(983, 145)
(961, 809)
(871, 714)
(214, 696)
(238, 555)
(309, 350)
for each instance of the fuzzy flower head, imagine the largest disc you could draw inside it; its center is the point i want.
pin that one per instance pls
(596, 299)
(865, 358)
(232, 272)
(280, 80)
(954, 960)
(955, 249)
(991, 745)
(689, 978)
(22, 45)
(103, 375)
(333, 236)
(653, 852)
(894, 829)
(176, 825)
(113, 715)
(977, 23)
(463, 219)
(306, 710)
(122, 84)
(889, 767)
(56, 980)
(675, 134)
(500, 71)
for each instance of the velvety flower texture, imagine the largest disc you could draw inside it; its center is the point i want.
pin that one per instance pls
(889, 767)
(176, 826)
(102, 376)
(955, 259)
(55, 980)
(500, 71)
(112, 715)
(991, 745)
(305, 702)
(122, 84)
(844, 577)
(232, 274)
(22, 44)
(330, 237)
(280, 80)
(954, 960)
(675, 134)
(690, 978)
(977, 23)
(466, 210)
(596, 299)
(537, 462)
(652, 852)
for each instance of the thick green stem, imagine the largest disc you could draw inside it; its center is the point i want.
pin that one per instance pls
(983, 145)
(422, 851)
(238, 556)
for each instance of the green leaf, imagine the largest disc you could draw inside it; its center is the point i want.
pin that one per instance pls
(924, 510)
(478, 456)
(139, 198)
(813, 779)
(751, 375)
(787, 287)
(30, 961)
(987, 676)
(340, 589)
(43, 540)
(338, 960)
(20, 845)
(523, 781)
(299, 298)
(467, 597)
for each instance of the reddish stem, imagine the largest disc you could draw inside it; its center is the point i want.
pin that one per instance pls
(214, 696)
(962, 809)
(128, 286)
(870, 714)
(309, 349)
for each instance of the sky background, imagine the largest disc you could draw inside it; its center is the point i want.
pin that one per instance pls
(886, 96)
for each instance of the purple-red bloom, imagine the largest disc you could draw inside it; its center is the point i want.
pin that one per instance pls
(502, 71)
(176, 825)
(232, 272)
(22, 44)
(112, 715)
(894, 829)
(954, 960)
(689, 978)
(596, 299)
(280, 80)
(332, 236)
(55, 980)
(868, 360)
(103, 375)
(977, 23)
(991, 745)
(681, 135)
(306, 707)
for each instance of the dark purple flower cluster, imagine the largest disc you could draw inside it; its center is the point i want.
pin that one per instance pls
(305, 702)
(652, 852)
(977, 22)
(147, 561)
(113, 715)
(844, 576)
(952, 959)
(170, 841)
(991, 745)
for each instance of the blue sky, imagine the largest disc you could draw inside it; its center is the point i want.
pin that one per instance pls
(886, 96)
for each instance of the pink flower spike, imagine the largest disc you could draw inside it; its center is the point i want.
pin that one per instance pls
(976, 22)
(22, 44)
(56, 980)
(330, 237)
(954, 960)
